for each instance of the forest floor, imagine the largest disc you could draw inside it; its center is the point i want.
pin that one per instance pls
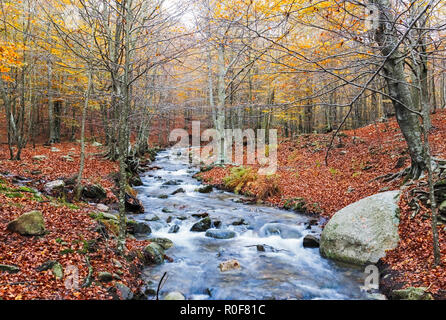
(70, 228)
(357, 159)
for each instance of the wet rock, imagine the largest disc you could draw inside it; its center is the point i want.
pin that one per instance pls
(362, 232)
(310, 241)
(283, 230)
(105, 276)
(53, 186)
(132, 204)
(9, 268)
(169, 219)
(240, 222)
(163, 242)
(154, 218)
(200, 215)
(179, 190)
(138, 227)
(153, 254)
(28, 224)
(412, 293)
(174, 229)
(171, 183)
(205, 189)
(94, 192)
(220, 234)
(216, 224)
(229, 265)
(163, 196)
(175, 295)
(202, 225)
(165, 210)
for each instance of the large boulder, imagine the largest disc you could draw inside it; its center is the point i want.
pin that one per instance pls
(362, 232)
(28, 224)
(175, 295)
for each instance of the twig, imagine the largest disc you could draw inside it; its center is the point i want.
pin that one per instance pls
(160, 284)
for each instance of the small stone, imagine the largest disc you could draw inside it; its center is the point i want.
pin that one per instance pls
(124, 291)
(240, 222)
(229, 265)
(53, 186)
(39, 157)
(175, 295)
(174, 229)
(54, 149)
(105, 276)
(36, 172)
(163, 196)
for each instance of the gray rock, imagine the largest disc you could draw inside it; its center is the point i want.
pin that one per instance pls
(412, 293)
(124, 291)
(28, 224)
(54, 149)
(95, 192)
(283, 230)
(363, 231)
(67, 158)
(175, 295)
(39, 157)
(96, 144)
(52, 186)
(153, 254)
(220, 234)
(9, 268)
(202, 225)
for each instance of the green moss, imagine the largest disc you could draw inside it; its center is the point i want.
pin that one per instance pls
(239, 178)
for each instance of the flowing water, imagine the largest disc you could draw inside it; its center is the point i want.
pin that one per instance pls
(284, 270)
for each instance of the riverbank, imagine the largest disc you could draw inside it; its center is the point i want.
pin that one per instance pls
(75, 247)
(355, 164)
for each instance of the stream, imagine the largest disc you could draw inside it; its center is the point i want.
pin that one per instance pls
(281, 269)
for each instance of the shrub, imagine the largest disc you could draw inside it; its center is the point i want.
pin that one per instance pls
(239, 178)
(267, 186)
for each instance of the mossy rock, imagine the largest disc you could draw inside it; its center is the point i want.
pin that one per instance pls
(28, 224)
(412, 293)
(153, 254)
